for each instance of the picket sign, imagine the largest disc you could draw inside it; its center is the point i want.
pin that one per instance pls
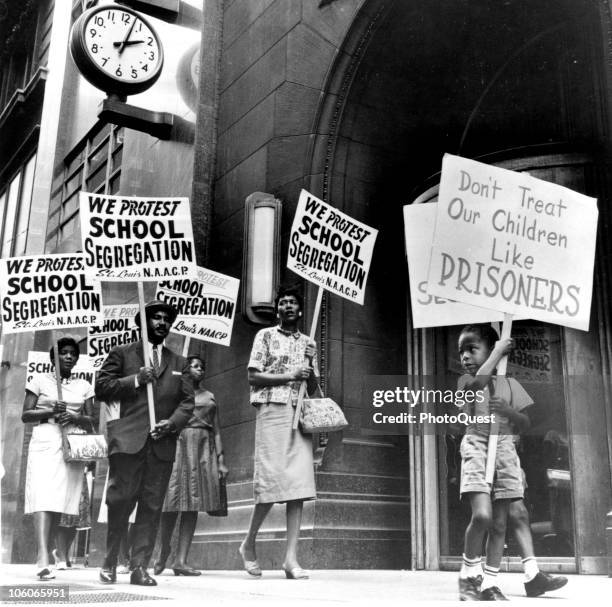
(313, 330)
(116, 330)
(510, 242)
(137, 239)
(331, 250)
(205, 305)
(146, 347)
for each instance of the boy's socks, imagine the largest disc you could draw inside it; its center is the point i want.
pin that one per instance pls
(530, 567)
(490, 577)
(470, 567)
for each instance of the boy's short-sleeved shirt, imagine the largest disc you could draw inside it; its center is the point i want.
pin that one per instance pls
(278, 351)
(518, 397)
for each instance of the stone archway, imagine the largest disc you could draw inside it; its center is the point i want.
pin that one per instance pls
(415, 81)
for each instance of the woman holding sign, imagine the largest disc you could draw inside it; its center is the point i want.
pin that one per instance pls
(52, 485)
(281, 359)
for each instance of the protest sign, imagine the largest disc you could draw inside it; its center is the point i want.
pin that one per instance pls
(429, 310)
(206, 305)
(330, 249)
(48, 292)
(136, 239)
(531, 359)
(40, 362)
(513, 243)
(118, 329)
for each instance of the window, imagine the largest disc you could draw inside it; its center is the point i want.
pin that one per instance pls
(94, 166)
(25, 32)
(15, 204)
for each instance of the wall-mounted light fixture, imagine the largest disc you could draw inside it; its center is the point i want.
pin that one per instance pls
(261, 257)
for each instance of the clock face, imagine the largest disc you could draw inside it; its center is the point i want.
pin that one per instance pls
(116, 50)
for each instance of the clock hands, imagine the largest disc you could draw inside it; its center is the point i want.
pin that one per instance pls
(127, 37)
(127, 43)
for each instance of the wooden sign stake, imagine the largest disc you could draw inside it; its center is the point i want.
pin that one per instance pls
(146, 347)
(56, 364)
(186, 344)
(313, 330)
(494, 432)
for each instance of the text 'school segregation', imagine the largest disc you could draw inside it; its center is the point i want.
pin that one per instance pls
(118, 329)
(206, 306)
(431, 310)
(40, 362)
(513, 243)
(137, 238)
(330, 248)
(48, 292)
(531, 359)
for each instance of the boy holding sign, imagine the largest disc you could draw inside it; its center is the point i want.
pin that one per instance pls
(480, 352)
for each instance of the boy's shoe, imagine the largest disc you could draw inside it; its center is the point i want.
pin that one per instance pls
(492, 593)
(469, 588)
(543, 582)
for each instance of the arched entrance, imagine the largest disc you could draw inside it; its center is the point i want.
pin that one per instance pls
(471, 78)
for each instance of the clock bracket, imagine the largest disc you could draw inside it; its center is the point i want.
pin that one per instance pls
(115, 110)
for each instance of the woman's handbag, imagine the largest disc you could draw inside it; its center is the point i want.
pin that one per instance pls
(78, 446)
(321, 415)
(222, 510)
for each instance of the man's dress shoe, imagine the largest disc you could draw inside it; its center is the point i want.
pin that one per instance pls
(140, 577)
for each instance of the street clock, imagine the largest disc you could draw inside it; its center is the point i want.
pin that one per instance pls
(116, 50)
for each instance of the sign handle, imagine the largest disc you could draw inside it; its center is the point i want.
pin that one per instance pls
(186, 344)
(494, 431)
(313, 330)
(146, 350)
(58, 376)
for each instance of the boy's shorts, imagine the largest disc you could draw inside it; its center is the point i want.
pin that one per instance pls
(508, 479)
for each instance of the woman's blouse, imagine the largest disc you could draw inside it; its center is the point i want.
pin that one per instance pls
(74, 391)
(278, 351)
(204, 411)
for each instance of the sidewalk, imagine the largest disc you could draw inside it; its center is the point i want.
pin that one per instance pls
(326, 587)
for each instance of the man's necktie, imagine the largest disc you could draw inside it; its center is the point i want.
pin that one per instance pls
(155, 362)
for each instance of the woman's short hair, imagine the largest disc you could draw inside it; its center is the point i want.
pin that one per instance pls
(485, 331)
(286, 291)
(63, 342)
(193, 357)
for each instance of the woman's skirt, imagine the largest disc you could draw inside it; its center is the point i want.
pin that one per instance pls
(284, 468)
(194, 483)
(82, 520)
(52, 485)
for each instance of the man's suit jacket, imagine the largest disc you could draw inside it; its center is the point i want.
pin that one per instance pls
(173, 397)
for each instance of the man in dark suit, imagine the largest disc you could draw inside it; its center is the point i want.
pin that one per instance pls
(140, 457)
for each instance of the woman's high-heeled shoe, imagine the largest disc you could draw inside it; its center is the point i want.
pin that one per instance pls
(45, 573)
(251, 567)
(159, 565)
(59, 564)
(186, 571)
(296, 573)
